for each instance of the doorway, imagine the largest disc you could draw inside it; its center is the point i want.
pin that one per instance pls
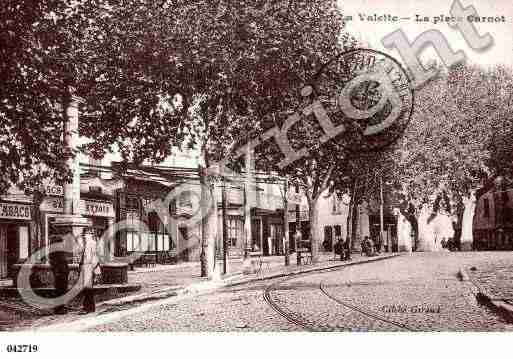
(14, 247)
(256, 235)
(327, 244)
(3, 252)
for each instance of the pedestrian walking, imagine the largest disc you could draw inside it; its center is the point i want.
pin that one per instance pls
(89, 267)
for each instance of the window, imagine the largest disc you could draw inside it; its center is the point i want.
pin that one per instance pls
(338, 230)
(146, 242)
(132, 242)
(235, 230)
(132, 203)
(486, 208)
(167, 242)
(150, 242)
(155, 239)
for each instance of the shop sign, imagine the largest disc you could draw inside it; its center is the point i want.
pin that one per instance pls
(54, 190)
(87, 207)
(15, 211)
(98, 209)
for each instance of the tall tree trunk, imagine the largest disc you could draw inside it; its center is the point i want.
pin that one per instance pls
(313, 215)
(466, 236)
(352, 227)
(204, 223)
(208, 223)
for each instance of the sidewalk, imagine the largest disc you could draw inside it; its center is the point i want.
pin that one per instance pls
(169, 282)
(492, 283)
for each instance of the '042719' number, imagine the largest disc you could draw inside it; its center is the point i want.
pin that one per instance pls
(22, 348)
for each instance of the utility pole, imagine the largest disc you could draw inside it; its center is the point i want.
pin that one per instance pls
(248, 201)
(225, 232)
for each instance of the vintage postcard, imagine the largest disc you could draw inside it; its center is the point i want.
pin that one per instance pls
(255, 166)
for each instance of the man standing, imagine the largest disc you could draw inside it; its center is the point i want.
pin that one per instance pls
(338, 248)
(347, 249)
(89, 264)
(59, 264)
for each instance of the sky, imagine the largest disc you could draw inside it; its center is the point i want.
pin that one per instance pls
(371, 32)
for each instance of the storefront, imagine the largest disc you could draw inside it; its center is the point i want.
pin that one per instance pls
(97, 196)
(100, 211)
(267, 228)
(266, 233)
(234, 231)
(157, 237)
(304, 222)
(15, 243)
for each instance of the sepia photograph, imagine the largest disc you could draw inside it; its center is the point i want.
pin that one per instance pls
(239, 167)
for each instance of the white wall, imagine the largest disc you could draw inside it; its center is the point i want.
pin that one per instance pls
(328, 218)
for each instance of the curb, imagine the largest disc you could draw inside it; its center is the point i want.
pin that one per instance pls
(482, 296)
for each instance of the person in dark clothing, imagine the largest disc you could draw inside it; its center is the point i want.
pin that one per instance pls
(347, 249)
(89, 264)
(367, 247)
(60, 269)
(337, 248)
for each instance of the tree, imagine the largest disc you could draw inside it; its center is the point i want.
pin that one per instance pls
(155, 74)
(452, 143)
(97, 48)
(274, 48)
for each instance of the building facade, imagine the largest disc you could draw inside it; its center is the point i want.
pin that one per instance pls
(17, 232)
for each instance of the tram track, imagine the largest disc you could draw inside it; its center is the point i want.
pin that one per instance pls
(296, 319)
(365, 312)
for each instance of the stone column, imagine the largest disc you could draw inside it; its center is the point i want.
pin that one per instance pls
(72, 222)
(110, 245)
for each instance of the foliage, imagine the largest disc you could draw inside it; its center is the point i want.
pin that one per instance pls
(452, 142)
(153, 73)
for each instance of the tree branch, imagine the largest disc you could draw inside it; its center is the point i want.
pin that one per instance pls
(325, 181)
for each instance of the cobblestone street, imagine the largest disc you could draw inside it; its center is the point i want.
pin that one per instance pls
(496, 277)
(411, 292)
(156, 282)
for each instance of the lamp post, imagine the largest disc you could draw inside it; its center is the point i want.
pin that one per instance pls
(248, 202)
(298, 229)
(225, 232)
